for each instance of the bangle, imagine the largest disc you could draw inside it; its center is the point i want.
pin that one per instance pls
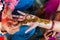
(52, 25)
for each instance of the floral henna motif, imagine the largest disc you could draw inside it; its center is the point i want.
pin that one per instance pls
(33, 18)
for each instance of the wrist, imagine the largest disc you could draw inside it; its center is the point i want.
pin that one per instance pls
(52, 25)
(47, 26)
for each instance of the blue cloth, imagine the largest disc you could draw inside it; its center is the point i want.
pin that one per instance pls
(20, 35)
(24, 4)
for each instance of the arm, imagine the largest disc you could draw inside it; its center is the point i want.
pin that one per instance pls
(47, 24)
(9, 6)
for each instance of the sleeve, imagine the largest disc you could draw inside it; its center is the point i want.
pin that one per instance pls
(11, 3)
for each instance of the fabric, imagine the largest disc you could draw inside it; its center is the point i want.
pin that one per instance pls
(11, 3)
(51, 38)
(20, 4)
(24, 4)
(1, 37)
(50, 7)
(20, 35)
(58, 36)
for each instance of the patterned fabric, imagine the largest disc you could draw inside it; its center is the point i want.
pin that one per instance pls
(58, 36)
(11, 3)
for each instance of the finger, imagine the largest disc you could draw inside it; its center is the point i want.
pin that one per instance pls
(18, 16)
(18, 25)
(13, 31)
(21, 13)
(31, 24)
(21, 19)
(34, 26)
(15, 16)
(5, 26)
(15, 27)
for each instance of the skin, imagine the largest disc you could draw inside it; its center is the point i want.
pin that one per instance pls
(21, 18)
(47, 36)
(57, 18)
(10, 28)
(56, 26)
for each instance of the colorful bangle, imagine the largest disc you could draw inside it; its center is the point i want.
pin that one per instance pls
(52, 25)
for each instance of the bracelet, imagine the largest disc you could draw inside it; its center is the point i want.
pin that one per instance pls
(52, 25)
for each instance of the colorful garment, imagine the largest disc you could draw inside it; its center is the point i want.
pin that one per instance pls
(20, 35)
(11, 3)
(58, 36)
(51, 7)
(51, 38)
(22, 5)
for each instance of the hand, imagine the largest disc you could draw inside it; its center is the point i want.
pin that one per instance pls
(48, 34)
(32, 26)
(13, 29)
(20, 18)
(45, 36)
(10, 28)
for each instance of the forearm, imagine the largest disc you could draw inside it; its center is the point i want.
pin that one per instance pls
(47, 26)
(44, 23)
(56, 26)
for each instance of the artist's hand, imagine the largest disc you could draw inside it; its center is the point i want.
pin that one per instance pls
(32, 25)
(10, 28)
(13, 29)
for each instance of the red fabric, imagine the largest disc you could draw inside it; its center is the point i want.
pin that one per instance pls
(1, 37)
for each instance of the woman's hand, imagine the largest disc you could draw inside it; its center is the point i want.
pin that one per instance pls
(10, 28)
(13, 29)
